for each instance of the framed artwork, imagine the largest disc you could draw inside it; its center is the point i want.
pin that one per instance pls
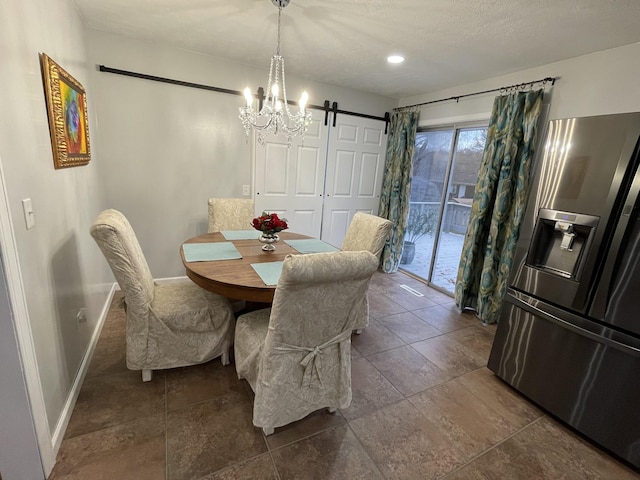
(68, 120)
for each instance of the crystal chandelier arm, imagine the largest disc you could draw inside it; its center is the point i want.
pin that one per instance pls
(269, 94)
(284, 88)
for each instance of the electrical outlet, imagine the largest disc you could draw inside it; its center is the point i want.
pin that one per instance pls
(246, 190)
(82, 315)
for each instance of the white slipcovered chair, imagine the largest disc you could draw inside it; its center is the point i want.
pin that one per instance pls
(366, 232)
(168, 325)
(230, 214)
(296, 354)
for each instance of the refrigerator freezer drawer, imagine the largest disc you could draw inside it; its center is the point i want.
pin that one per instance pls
(589, 382)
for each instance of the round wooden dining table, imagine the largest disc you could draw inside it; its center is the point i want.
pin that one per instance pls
(236, 278)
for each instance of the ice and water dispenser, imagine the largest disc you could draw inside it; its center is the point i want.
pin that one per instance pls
(561, 241)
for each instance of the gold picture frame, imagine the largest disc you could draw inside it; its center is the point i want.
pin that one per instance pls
(68, 120)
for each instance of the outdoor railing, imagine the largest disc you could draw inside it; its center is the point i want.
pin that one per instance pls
(456, 214)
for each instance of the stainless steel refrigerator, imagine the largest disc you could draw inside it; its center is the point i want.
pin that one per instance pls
(569, 332)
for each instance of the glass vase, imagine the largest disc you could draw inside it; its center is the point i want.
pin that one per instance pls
(269, 239)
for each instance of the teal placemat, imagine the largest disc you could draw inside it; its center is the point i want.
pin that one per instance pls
(311, 245)
(205, 252)
(269, 272)
(241, 234)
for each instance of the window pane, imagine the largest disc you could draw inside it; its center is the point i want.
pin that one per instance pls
(464, 174)
(430, 160)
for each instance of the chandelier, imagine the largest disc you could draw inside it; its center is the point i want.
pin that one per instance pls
(273, 115)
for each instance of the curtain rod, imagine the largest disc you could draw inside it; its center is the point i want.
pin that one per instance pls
(516, 87)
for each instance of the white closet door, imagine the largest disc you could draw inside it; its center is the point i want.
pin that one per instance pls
(356, 155)
(290, 181)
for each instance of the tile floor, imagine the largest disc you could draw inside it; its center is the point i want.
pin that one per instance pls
(424, 406)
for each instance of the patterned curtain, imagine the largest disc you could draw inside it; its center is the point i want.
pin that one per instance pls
(396, 184)
(498, 204)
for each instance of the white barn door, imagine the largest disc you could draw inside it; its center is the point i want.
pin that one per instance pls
(290, 180)
(356, 152)
(319, 184)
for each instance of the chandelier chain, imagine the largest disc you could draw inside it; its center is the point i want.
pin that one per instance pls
(279, 17)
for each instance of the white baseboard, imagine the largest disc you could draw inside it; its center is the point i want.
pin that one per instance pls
(65, 415)
(164, 280)
(171, 280)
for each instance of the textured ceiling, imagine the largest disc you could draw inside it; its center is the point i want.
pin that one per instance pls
(346, 42)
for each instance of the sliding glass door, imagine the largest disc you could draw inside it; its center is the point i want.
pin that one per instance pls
(445, 171)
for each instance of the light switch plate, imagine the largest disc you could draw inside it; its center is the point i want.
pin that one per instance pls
(29, 214)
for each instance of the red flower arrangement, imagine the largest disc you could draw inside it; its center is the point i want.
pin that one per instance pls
(270, 223)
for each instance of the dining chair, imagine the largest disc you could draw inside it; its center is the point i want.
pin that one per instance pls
(168, 325)
(366, 232)
(296, 355)
(230, 214)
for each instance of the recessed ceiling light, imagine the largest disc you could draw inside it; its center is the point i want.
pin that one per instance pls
(395, 59)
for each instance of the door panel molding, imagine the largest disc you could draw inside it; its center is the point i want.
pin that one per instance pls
(354, 179)
(320, 182)
(289, 180)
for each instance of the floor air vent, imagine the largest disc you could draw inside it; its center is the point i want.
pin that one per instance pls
(411, 290)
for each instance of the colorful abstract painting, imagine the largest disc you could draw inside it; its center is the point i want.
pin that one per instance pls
(68, 119)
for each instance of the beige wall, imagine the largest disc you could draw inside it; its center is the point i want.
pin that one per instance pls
(596, 84)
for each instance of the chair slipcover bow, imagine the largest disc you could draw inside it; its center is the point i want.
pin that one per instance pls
(297, 355)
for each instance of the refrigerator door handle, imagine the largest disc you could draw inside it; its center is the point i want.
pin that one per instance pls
(518, 299)
(600, 301)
